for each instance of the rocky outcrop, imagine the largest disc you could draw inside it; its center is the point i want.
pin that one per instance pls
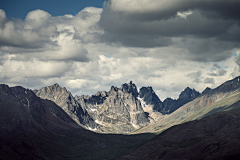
(66, 101)
(118, 110)
(206, 90)
(151, 101)
(169, 105)
(149, 97)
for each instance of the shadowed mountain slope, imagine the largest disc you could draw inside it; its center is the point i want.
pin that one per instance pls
(66, 101)
(152, 104)
(21, 107)
(213, 137)
(33, 128)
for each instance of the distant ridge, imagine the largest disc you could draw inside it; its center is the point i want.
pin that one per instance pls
(209, 102)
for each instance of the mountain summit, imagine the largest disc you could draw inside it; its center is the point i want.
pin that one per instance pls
(118, 110)
(149, 98)
(66, 101)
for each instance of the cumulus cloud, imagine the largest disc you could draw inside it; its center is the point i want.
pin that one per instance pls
(184, 14)
(166, 8)
(33, 33)
(49, 38)
(205, 27)
(168, 45)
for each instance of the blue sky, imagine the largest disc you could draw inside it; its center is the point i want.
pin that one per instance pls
(166, 44)
(20, 8)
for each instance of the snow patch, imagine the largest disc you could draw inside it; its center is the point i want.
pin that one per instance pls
(135, 126)
(98, 122)
(15, 94)
(28, 105)
(53, 114)
(142, 102)
(25, 92)
(92, 129)
(93, 110)
(27, 101)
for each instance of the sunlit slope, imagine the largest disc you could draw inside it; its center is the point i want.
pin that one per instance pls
(212, 137)
(210, 102)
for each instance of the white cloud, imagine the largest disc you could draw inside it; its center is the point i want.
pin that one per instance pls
(46, 38)
(74, 51)
(140, 5)
(2, 17)
(12, 68)
(37, 18)
(184, 14)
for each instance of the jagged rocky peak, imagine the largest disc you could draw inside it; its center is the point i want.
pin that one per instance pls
(68, 103)
(113, 90)
(5, 88)
(102, 94)
(169, 105)
(130, 88)
(206, 90)
(57, 87)
(189, 94)
(167, 100)
(53, 92)
(149, 96)
(118, 110)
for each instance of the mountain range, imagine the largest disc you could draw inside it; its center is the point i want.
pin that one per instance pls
(120, 110)
(51, 123)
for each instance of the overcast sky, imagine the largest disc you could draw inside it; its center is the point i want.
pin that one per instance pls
(90, 45)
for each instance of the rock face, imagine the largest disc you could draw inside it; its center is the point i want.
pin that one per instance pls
(149, 97)
(118, 110)
(152, 102)
(206, 90)
(66, 101)
(169, 105)
(124, 109)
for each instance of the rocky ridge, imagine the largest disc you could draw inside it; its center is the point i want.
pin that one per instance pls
(66, 101)
(27, 110)
(35, 128)
(119, 110)
(155, 107)
(125, 109)
(209, 102)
